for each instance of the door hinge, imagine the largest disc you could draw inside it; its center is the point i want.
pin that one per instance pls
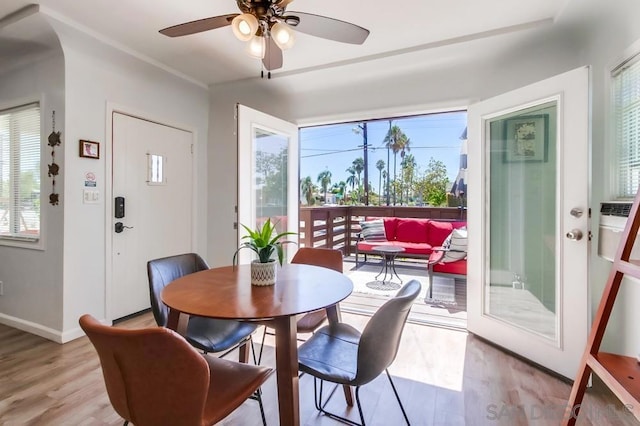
(590, 234)
(192, 148)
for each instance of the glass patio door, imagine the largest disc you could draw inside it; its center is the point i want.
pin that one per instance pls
(528, 184)
(267, 174)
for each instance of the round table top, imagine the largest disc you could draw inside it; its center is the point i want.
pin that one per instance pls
(388, 249)
(227, 292)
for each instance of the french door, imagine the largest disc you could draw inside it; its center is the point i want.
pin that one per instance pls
(268, 158)
(529, 232)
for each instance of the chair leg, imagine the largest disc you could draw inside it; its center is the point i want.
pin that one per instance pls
(404, 413)
(257, 395)
(317, 399)
(264, 418)
(359, 405)
(264, 335)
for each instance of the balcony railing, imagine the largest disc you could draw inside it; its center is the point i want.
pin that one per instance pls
(337, 227)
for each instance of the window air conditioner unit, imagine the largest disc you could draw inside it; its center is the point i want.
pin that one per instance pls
(613, 218)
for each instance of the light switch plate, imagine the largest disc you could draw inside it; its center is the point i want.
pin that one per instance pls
(91, 196)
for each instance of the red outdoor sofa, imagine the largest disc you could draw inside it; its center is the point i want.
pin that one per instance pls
(420, 238)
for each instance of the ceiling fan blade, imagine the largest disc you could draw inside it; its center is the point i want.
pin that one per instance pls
(273, 56)
(329, 28)
(198, 26)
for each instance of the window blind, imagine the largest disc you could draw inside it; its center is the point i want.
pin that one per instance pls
(626, 101)
(20, 172)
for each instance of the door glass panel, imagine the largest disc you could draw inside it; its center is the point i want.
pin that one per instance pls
(270, 151)
(521, 287)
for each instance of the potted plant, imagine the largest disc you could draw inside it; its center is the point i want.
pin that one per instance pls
(264, 241)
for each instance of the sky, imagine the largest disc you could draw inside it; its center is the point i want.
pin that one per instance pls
(334, 147)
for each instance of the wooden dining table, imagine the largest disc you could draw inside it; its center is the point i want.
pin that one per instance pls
(227, 293)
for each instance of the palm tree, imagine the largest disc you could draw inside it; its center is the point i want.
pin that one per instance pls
(408, 166)
(324, 179)
(395, 140)
(351, 179)
(307, 187)
(385, 177)
(358, 166)
(380, 166)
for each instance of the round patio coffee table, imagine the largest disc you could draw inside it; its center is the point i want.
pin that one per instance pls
(388, 254)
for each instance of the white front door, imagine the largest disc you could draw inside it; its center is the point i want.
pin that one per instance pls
(152, 173)
(528, 199)
(267, 174)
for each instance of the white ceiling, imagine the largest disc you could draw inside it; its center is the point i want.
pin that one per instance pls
(397, 28)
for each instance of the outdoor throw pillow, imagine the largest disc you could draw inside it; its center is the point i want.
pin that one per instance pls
(456, 243)
(373, 230)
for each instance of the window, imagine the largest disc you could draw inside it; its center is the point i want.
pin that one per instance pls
(626, 111)
(20, 173)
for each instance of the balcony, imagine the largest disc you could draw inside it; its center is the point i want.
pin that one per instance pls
(337, 227)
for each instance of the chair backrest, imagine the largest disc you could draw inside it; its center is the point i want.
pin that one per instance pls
(162, 271)
(328, 258)
(153, 376)
(380, 339)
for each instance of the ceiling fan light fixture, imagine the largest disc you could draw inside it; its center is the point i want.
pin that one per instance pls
(256, 47)
(282, 35)
(244, 26)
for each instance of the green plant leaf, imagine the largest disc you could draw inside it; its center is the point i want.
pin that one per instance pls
(260, 240)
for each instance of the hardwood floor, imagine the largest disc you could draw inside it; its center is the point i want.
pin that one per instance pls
(444, 377)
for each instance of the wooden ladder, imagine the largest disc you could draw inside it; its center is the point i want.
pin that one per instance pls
(619, 373)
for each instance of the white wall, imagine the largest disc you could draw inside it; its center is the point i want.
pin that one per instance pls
(96, 76)
(47, 291)
(32, 279)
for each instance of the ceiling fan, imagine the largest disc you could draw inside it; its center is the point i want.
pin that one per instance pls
(266, 25)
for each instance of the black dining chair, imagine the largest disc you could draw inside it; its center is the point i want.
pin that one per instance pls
(340, 354)
(207, 334)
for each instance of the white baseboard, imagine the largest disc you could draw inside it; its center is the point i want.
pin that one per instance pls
(43, 331)
(32, 327)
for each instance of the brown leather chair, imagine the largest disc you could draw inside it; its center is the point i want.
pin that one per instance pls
(340, 354)
(154, 377)
(326, 258)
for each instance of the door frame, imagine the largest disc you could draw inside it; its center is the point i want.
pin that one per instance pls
(108, 186)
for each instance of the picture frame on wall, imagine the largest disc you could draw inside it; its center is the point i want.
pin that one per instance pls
(89, 149)
(526, 139)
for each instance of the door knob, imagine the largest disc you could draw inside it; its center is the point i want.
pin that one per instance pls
(120, 227)
(574, 234)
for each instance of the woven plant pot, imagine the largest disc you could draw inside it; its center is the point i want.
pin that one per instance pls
(263, 273)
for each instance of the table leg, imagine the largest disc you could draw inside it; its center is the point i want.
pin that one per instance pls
(334, 316)
(385, 268)
(287, 370)
(177, 321)
(393, 268)
(243, 353)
